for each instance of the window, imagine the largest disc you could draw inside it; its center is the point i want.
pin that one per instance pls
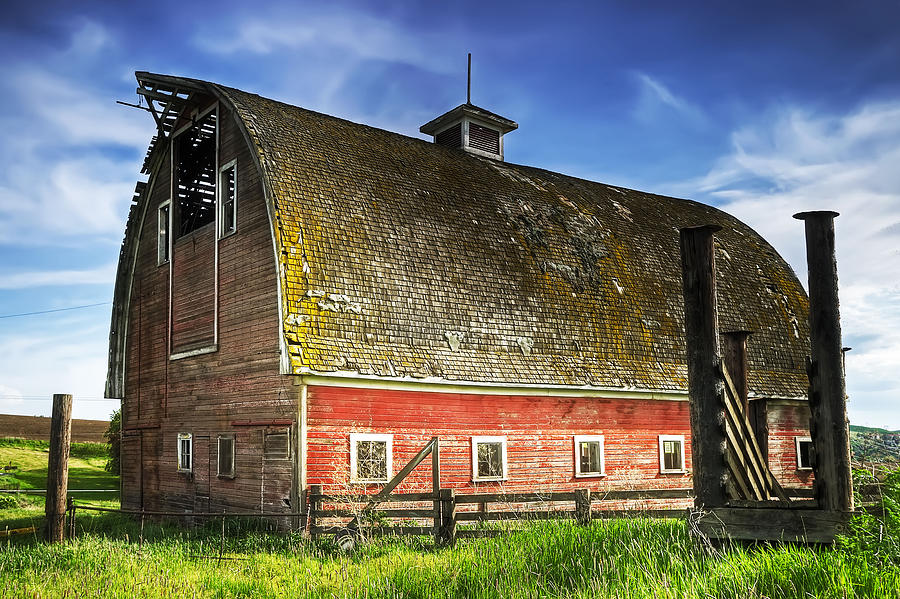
(488, 458)
(226, 456)
(185, 451)
(228, 199)
(804, 452)
(277, 446)
(589, 460)
(671, 454)
(371, 457)
(162, 235)
(194, 156)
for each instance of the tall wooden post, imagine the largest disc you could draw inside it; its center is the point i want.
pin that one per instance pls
(58, 467)
(827, 398)
(704, 384)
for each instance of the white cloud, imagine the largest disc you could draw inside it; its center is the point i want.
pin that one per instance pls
(104, 275)
(361, 35)
(794, 161)
(65, 355)
(655, 99)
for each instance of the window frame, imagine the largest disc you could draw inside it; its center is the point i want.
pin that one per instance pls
(797, 441)
(189, 437)
(579, 439)
(389, 456)
(662, 459)
(219, 472)
(164, 250)
(476, 441)
(220, 204)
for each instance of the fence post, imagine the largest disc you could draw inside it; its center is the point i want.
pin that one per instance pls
(448, 516)
(583, 506)
(698, 267)
(827, 395)
(315, 505)
(58, 467)
(436, 487)
(70, 507)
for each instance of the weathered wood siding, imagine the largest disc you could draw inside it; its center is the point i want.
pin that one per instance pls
(210, 394)
(787, 420)
(539, 433)
(193, 290)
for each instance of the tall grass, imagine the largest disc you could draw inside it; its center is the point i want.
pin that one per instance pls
(618, 558)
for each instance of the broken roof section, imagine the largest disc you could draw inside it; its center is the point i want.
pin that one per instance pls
(405, 259)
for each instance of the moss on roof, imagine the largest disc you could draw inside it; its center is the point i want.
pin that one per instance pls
(404, 258)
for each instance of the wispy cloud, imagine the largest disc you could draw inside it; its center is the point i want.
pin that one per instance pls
(103, 275)
(794, 160)
(655, 100)
(360, 35)
(72, 155)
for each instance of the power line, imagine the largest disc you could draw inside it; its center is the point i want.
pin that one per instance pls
(56, 310)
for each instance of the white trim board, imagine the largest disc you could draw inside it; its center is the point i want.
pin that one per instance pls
(477, 388)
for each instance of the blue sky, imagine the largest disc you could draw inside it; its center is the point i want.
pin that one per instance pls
(763, 109)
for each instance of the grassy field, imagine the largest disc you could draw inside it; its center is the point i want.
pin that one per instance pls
(112, 557)
(621, 558)
(86, 471)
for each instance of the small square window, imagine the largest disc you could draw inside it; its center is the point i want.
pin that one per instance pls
(589, 459)
(228, 199)
(277, 446)
(185, 452)
(162, 236)
(488, 458)
(671, 454)
(371, 457)
(804, 452)
(225, 460)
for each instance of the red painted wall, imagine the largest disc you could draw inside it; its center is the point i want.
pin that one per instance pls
(539, 432)
(787, 420)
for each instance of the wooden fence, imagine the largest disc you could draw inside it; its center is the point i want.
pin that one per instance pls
(452, 515)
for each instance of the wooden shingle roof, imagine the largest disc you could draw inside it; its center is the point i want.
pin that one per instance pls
(401, 258)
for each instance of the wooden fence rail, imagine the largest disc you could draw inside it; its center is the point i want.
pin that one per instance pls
(328, 511)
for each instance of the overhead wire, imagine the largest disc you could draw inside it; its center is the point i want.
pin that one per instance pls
(55, 310)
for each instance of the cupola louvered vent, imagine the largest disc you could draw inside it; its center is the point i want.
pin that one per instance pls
(473, 129)
(451, 137)
(482, 138)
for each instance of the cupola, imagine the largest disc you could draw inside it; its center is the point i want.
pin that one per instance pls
(471, 128)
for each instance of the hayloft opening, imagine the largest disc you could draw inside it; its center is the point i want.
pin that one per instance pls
(195, 175)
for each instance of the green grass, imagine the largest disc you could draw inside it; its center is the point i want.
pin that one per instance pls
(619, 558)
(112, 556)
(86, 471)
(86, 465)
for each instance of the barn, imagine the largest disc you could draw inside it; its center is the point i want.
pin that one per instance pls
(302, 300)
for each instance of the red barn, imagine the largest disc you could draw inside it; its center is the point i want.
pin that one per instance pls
(305, 300)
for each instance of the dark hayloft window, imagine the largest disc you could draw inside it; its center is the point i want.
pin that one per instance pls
(195, 175)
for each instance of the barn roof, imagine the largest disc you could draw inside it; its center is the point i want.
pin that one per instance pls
(401, 258)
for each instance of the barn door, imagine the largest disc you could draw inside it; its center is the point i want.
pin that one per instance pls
(201, 473)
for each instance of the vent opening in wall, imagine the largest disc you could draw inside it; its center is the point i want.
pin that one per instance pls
(482, 138)
(451, 137)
